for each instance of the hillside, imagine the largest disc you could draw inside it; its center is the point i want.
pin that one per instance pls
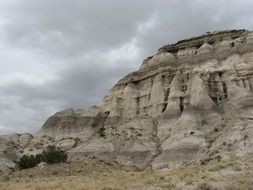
(189, 104)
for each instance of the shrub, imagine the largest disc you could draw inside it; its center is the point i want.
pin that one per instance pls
(218, 158)
(26, 162)
(51, 155)
(39, 158)
(101, 132)
(54, 172)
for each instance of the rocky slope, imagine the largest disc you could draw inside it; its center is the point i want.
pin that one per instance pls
(189, 103)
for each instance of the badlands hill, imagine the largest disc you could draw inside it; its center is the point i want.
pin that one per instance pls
(190, 103)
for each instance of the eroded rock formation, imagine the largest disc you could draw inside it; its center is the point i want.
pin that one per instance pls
(189, 102)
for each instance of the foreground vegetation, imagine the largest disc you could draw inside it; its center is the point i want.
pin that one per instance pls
(95, 174)
(51, 155)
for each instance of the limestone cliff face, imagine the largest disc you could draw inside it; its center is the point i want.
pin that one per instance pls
(191, 101)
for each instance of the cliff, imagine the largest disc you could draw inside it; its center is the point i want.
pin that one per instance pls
(192, 101)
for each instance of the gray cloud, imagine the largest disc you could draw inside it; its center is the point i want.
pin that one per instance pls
(56, 54)
(62, 27)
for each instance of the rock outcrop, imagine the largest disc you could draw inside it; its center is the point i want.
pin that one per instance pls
(191, 101)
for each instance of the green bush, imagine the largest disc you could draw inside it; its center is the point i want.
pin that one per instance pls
(51, 155)
(101, 132)
(39, 158)
(26, 162)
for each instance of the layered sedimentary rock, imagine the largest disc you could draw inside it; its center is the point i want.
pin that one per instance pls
(189, 102)
(179, 107)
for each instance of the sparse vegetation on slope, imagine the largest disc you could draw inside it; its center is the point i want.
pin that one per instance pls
(51, 155)
(95, 174)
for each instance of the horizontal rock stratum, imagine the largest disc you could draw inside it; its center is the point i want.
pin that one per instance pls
(191, 101)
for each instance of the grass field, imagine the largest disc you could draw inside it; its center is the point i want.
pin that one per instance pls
(95, 174)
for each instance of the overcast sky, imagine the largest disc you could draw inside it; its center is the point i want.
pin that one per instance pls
(56, 54)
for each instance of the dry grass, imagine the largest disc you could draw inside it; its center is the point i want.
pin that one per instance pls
(93, 174)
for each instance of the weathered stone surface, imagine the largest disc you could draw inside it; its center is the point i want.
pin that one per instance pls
(11, 147)
(199, 94)
(74, 123)
(191, 101)
(98, 147)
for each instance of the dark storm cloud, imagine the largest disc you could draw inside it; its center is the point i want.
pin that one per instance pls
(56, 54)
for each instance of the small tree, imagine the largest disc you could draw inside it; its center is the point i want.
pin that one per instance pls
(54, 155)
(39, 158)
(26, 162)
